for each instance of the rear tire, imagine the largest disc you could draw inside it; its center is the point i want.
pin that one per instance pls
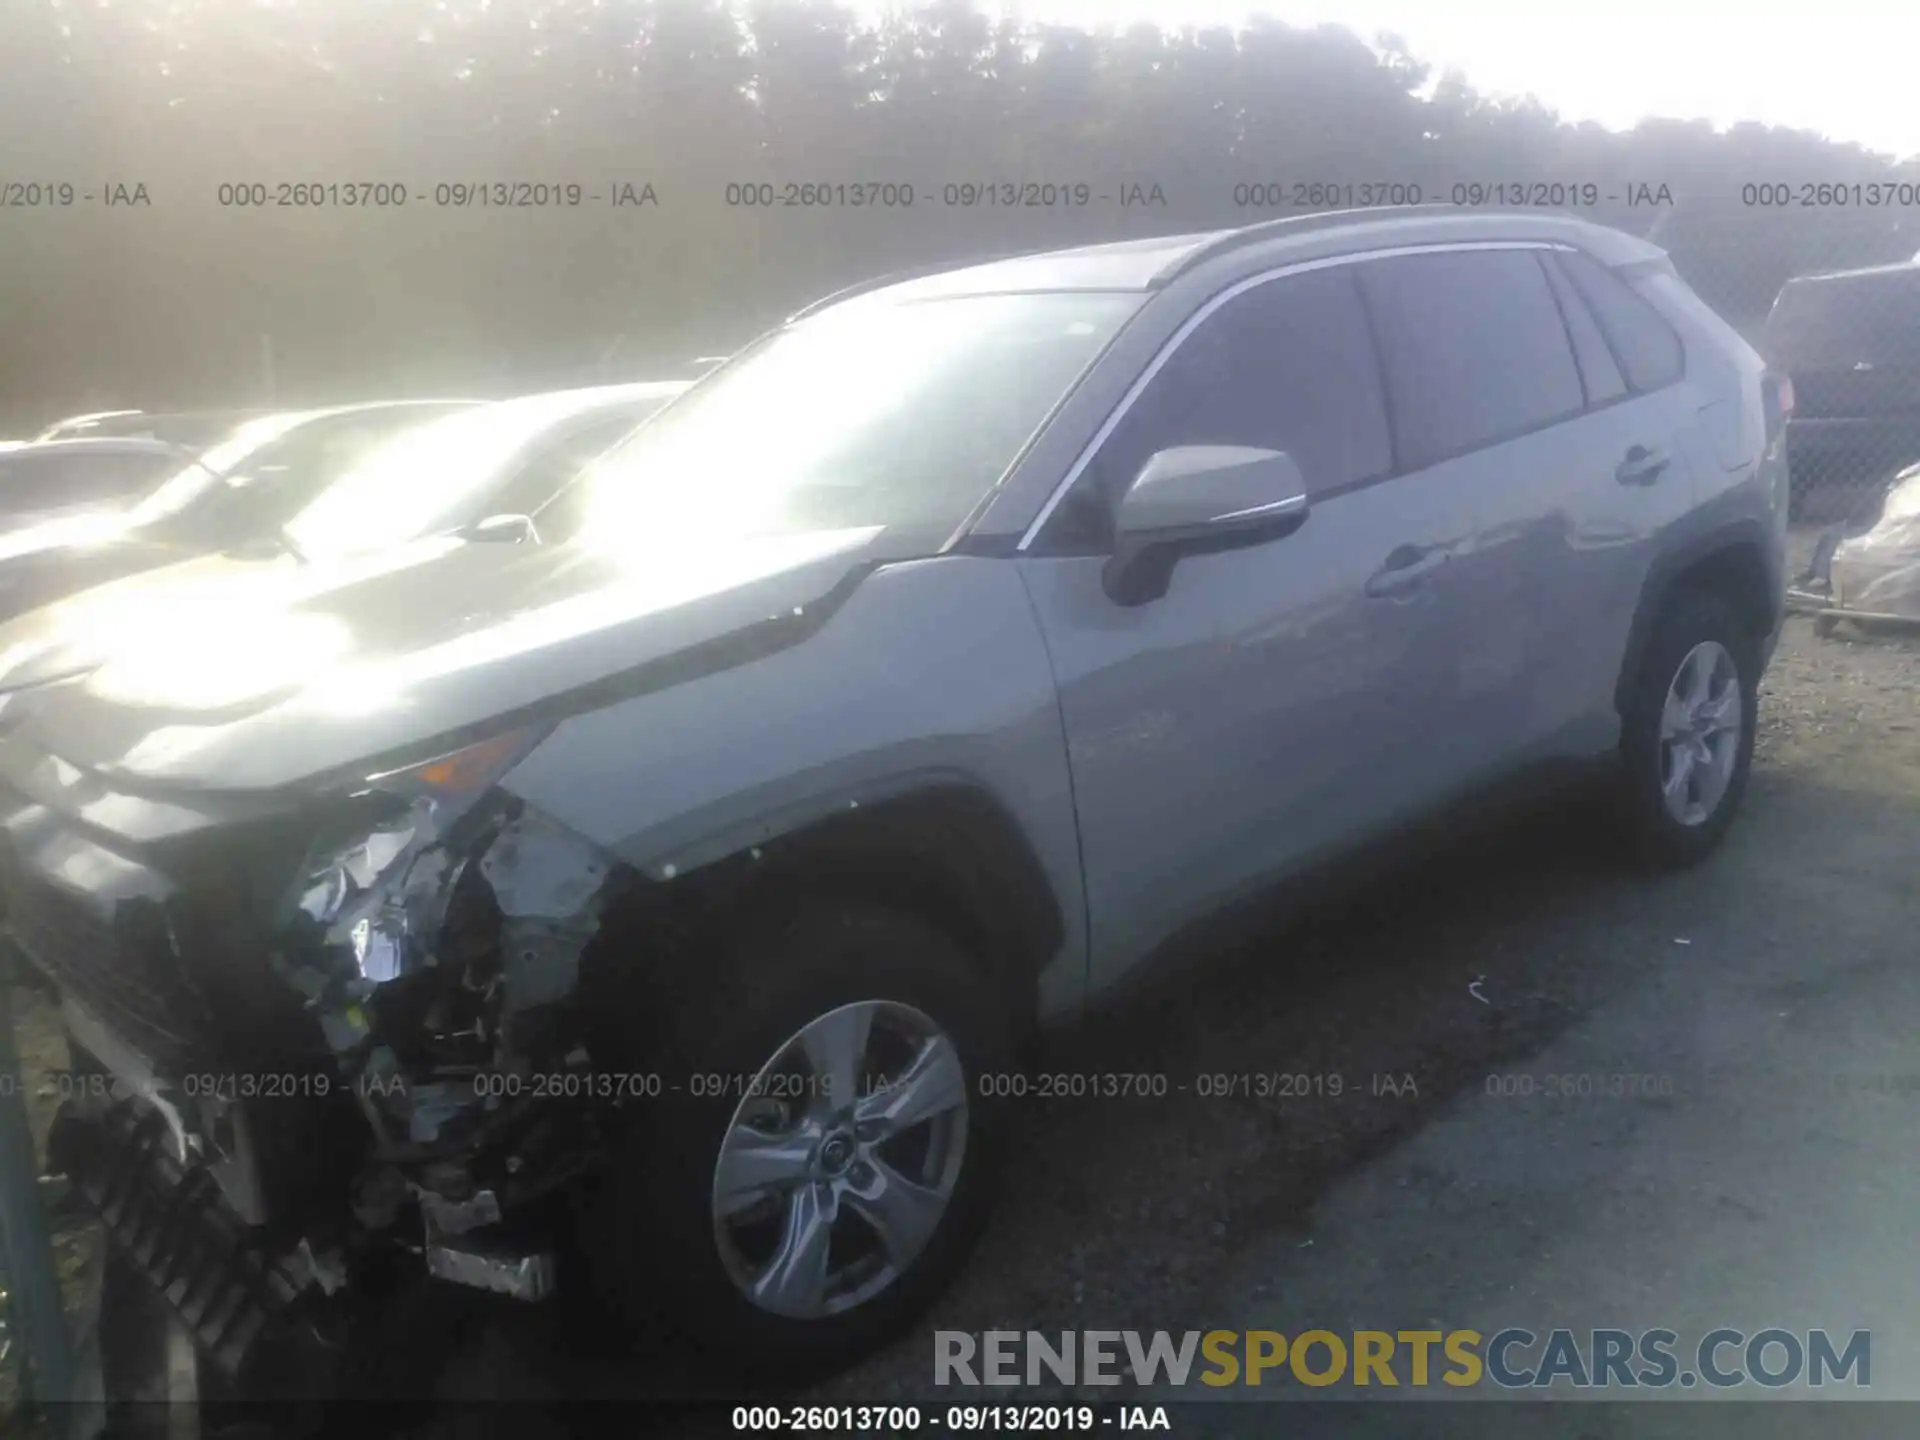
(1686, 744)
(667, 1252)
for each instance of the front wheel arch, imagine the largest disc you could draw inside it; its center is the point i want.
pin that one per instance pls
(950, 854)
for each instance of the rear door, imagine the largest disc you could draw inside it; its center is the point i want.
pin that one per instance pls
(1504, 389)
(1651, 449)
(1278, 701)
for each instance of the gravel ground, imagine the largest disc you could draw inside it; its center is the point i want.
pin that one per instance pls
(1139, 1212)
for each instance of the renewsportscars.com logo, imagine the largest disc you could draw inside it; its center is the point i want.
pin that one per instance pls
(1512, 1359)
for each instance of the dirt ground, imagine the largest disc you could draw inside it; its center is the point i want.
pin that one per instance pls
(1153, 1213)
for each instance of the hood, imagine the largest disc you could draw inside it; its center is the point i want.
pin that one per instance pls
(167, 605)
(261, 680)
(48, 558)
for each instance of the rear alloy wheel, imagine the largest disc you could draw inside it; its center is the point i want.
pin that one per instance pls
(1687, 744)
(824, 1155)
(1700, 728)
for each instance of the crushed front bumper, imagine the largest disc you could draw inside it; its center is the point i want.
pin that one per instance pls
(173, 1224)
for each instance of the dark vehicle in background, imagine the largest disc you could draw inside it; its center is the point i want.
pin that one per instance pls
(44, 481)
(190, 429)
(234, 495)
(485, 473)
(1849, 345)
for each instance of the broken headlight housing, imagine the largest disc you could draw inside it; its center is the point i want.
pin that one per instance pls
(378, 882)
(433, 896)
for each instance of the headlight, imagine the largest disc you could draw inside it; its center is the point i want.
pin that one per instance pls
(382, 894)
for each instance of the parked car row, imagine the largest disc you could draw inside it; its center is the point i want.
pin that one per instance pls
(287, 494)
(643, 906)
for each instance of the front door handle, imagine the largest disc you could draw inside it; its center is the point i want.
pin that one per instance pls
(1406, 569)
(1642, 466)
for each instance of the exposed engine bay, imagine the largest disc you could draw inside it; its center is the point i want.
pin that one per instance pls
(384, 1070)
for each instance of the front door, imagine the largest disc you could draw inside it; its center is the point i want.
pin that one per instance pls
(1277, 701)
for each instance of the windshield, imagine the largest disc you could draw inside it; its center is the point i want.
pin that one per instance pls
(889, 414)
(258, 477)
(454, 471)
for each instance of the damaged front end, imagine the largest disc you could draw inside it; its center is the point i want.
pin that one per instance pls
(384, 1070)
(436, 948)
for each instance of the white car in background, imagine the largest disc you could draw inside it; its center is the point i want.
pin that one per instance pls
(471, 472)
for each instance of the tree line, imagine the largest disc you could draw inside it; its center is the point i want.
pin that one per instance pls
(206, 202)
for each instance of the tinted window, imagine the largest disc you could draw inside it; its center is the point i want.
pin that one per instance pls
(1474, 348)
(1599, 375)
(59, 482)
(1286, 366)
(1643, 342)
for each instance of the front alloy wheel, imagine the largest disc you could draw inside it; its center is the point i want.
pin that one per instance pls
(825, 1179)
(839, 1164)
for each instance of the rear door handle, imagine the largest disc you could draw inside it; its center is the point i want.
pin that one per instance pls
(1406, 569)
(1642, 466)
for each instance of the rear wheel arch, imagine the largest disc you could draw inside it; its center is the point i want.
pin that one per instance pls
(1730, 564)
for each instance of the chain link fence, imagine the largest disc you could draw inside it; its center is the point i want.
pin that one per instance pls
(1833, 303)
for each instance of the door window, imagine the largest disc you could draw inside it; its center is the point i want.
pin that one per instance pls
(1474, 350)
(1287, 365)
(1599, 372)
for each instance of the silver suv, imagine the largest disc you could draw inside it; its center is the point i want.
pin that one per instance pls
(676, 898)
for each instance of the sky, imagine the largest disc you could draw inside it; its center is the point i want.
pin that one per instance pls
(1842, 68)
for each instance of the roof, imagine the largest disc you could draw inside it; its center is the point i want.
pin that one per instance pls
(1154, 261)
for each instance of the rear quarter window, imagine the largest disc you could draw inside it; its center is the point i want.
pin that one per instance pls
(1647, 348)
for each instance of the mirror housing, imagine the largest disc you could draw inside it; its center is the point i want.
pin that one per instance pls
(1194, 500)
(503, 530)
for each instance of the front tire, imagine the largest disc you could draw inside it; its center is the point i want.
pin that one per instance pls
(1687, 741)
(827, 1160)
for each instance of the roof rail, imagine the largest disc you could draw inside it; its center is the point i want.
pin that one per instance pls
(861, 287)
(1303, 224)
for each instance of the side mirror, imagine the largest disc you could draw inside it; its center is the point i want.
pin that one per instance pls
(1199, 499)
(504, 530)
